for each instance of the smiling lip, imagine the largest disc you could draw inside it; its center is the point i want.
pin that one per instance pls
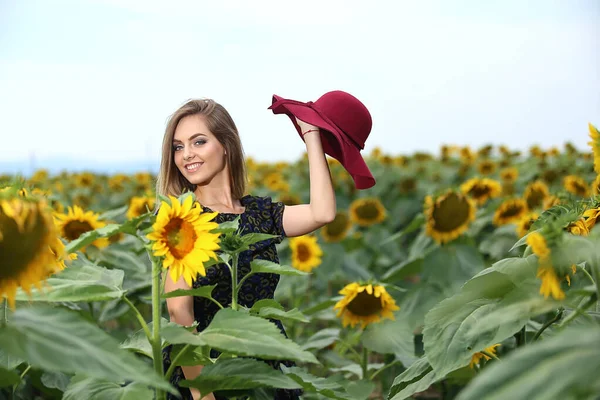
(192, 167)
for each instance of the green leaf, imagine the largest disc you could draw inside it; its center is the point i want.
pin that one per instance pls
(43, 335)
(228, 226)
(402, 270)
(322, 339)
(8, 377)
(510, 309)
(138, 341)
(417, 378)
(269, 308)
(95, 389)
(325, 387)
(194, 355)
(323, 305)
(203, 291)
(264, 266)
(114, 213)
(252, 238)
(448, 336)
(8, 361)
(240, 333)
(360, 390)
(239, 373)
(55, 380)
(561, 367)
(83, 282)
(391, 337)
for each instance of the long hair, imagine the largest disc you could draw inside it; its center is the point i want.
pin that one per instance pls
(170, 181)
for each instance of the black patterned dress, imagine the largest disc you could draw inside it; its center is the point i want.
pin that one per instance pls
(261, 215)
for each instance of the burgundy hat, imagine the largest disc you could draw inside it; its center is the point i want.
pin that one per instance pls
(345, 124)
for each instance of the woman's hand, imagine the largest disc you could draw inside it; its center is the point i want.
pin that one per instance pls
(305, 127)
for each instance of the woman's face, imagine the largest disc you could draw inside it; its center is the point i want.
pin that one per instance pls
(198, 154)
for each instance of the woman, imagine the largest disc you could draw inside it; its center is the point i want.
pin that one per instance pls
(202, 152)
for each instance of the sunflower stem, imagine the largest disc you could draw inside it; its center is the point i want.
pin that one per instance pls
(364, 362)
(588, 275)
(140, 318)
(156, 312)
(175, 359)
(393, 363)
(234, 282)
(556, 317)
(578, 311)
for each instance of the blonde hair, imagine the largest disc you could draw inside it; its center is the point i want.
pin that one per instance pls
(170, 181)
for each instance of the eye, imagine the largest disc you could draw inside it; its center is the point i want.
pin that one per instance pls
(177, 147)
(199, 142)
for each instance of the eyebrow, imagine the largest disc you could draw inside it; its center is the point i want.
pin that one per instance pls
(191, 137)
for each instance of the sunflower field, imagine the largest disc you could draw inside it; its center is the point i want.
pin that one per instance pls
(468, 274)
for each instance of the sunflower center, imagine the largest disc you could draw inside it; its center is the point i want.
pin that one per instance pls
(303, 252)
(338, 226)
(365, 304)
(141, 209)
(511, 210)
(535, 198)
(19, 247)
(479, 191)
(579, 188)
(181, 237)
(74, 229)
(367, 211)
(450, 213)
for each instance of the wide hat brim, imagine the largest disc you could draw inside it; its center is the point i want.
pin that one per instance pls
(334, 140)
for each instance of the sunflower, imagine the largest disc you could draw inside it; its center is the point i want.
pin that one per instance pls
(576, 185)
(367, 211)
(481, 189)
(535, 194)
(39, 176)
(550, 282)
(275, 182)
(591, 216)
(140, 205)
(117, 182)
(508, 189)
(550, 176)
(509, 174)
(578, 227)
(596, 186)
(289, 199)
(536, 151)
(29, 250)
(467, 156)
(551, 201)
(181, 234)
(486, 167)
(525, 223)
(408, 185)
(365, 304)
(336, 230)
(595, 143)
(306, 253)
(448, 216)
(478, 356)
(511, 210)
(85, 179)
(77, 222)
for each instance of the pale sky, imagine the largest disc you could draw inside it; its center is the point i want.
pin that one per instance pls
(97, 79)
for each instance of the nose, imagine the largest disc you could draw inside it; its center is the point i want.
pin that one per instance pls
(187, 153)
